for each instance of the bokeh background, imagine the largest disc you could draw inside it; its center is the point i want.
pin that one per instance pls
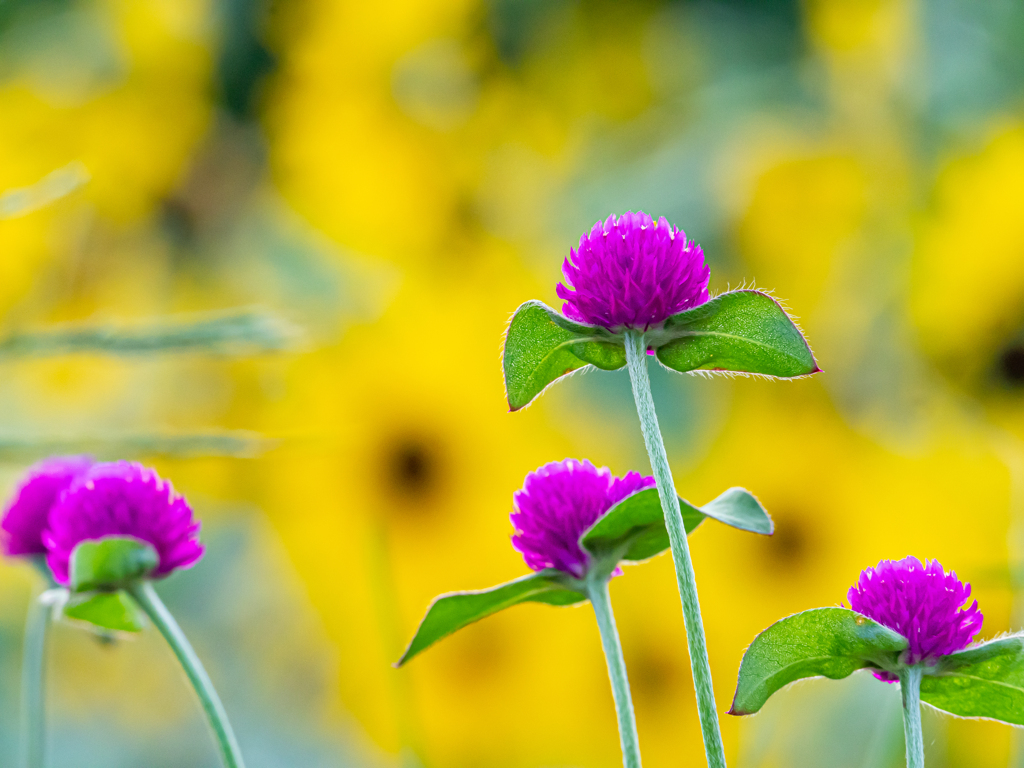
(271, 247)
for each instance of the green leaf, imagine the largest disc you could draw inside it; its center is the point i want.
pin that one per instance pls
(635, 527)
(984, 681)
(454, 611)
(741, 331)
(739, 508)
(541, 346)
(827, 642)
(108, 610)
(110, 563)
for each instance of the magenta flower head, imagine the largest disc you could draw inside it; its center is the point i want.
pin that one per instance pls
(26, 514)
(124, 499)
(921, 602)
(633, 272)
(558, 503)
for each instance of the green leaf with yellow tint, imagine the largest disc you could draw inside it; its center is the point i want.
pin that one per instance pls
(110, 563)
(739, 331)
(541, 346)
(823, 642)
(108, 610)
(634, 529)
(984, 681)
(454, 611)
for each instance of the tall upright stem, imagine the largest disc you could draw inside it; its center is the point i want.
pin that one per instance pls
(154, 607)
(33, 680)
(597, 591)
(910, 687)
(636, 358)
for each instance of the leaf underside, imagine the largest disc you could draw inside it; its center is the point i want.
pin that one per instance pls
(637, 526)
(449, 613)
(825, 642)
(739, 331)
(984, 681)
(107, 610)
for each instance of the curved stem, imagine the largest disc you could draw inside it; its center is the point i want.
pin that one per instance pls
(636, 358)
(33, 680)
(597, 591)
(910, 687)
(154, 607)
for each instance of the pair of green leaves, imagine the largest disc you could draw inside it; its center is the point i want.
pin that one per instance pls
(100, 571)
(739, 331)
(986, 680)
(631, 531)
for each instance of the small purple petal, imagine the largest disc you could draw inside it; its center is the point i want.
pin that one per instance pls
(557, 503)
(26, 515)
(921, 602)
(633, 272)
(123, 499)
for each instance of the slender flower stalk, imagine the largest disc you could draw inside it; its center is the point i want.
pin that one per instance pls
(636, 360)
(121, 504)
(24, 518)
(33, 679)
(555, 507)
(575, 525)
(926, 605)
(597, 591)
(162, 619)
(637, 285)
(910, 687)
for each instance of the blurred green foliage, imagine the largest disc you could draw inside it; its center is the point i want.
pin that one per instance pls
(375, 174)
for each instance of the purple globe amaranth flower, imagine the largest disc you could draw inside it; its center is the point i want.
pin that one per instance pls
(123, 498)
(27, 513)
(558, 503)
(921, 602)
(632, 272)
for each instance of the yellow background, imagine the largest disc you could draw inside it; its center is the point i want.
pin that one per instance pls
(394, 179)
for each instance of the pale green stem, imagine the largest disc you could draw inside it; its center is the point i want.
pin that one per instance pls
(154, 607)
(597, 591)
(33, 680)
(910, 687)
(636, 358)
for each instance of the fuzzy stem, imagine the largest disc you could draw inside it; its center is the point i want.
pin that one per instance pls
(154, 607)
(636, 358)
(33, 681)
(597, 591)
(910, 687)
